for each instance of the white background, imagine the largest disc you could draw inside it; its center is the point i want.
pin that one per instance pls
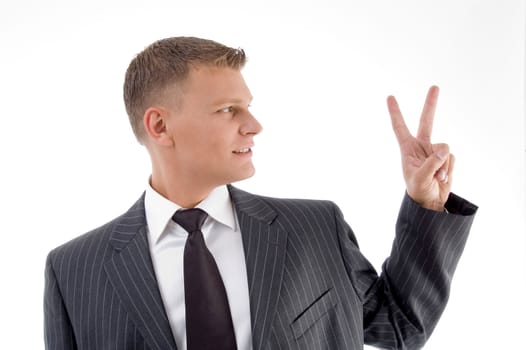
(320, 72)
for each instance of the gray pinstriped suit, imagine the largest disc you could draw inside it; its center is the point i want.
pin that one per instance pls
(310, 287)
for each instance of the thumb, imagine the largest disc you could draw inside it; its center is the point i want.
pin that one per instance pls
(437, 163)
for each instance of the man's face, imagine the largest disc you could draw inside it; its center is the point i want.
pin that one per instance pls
(212, 127)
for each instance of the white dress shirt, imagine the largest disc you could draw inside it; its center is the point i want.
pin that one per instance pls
(223, 238)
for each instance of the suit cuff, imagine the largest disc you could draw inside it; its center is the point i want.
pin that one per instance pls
(454, 205)
(459, 206)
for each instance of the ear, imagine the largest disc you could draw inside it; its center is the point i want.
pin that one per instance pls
(155, 120)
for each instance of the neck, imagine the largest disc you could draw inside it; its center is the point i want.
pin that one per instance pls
(185, 187)
(185, 192)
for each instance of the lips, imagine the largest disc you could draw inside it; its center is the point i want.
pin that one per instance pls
(242, 150)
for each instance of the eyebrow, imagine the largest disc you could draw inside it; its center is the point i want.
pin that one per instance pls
(231, 101)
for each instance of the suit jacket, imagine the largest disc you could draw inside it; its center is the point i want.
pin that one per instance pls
(309, 285)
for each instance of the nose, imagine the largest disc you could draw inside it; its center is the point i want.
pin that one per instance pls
(250, 126)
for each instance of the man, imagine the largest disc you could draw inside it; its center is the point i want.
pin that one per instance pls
(290, 271)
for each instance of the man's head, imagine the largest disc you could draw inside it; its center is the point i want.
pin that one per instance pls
(166, 63)
(189, 105)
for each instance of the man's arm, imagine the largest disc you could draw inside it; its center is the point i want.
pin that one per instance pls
(58, 332)
(402, 306)
(416, 278)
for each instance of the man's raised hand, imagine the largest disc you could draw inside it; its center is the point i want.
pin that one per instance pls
(427, 167)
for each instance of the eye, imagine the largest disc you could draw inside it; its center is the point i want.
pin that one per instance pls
(228, 109)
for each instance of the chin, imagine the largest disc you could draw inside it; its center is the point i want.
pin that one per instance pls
(248, 173)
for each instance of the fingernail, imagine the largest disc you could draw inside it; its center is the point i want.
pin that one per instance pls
(442, 175)
(440, 155)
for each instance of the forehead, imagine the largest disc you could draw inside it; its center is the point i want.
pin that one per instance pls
(215, 84)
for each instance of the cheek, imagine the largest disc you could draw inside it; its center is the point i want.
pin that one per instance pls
(217, 139)
(202, 147)
(212, 140)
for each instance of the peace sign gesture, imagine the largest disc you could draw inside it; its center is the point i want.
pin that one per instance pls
(427, 167)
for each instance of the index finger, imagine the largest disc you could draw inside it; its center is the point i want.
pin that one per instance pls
(428, 115)
(397, 120)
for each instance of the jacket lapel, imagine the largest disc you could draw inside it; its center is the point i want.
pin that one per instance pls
(265, 246)
(130, 270)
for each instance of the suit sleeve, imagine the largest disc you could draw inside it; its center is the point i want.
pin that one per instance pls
(58, 332)
(403, 305)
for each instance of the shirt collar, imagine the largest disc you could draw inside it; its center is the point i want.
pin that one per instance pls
(159, 210)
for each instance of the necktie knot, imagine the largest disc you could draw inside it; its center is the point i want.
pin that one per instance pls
(190, 219)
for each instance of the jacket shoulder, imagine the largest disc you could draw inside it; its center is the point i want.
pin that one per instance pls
(97, 234)
(279, 202)
(97, 237)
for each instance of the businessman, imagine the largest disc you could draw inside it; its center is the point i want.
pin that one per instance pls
(197, 263)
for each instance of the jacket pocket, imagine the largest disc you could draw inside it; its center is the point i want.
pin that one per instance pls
(314, 312)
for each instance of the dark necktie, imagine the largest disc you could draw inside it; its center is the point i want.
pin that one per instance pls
(208, 320)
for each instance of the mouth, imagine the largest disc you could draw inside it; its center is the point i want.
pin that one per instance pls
(242, 150)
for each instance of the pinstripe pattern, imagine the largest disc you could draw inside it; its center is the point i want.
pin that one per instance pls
(101, 292)
(311, 288)
(309, 285)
